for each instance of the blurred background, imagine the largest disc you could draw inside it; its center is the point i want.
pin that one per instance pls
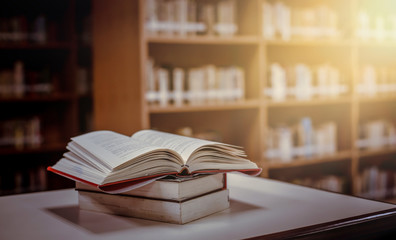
(307, 87)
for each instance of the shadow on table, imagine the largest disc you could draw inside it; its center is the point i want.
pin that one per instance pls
(99, 223)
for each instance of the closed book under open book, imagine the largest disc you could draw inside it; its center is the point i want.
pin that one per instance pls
(116, 163)
(179, 212)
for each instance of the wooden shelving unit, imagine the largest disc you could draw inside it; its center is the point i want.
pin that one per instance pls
(244, 123)
(52, 111)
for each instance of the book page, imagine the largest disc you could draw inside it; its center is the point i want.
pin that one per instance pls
(185, 146)
(112, 149)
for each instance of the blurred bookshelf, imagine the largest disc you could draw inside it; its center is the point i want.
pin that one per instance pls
(39, 93)
(296, 83)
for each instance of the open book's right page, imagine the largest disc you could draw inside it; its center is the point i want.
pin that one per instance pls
(198, 154)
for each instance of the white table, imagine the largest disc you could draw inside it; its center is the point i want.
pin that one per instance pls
(259, 207)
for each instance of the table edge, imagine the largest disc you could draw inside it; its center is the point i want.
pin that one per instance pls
(382, 221)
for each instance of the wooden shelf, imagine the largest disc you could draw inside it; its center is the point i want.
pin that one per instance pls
(312, 102)
(308, 42)
(383, 98)
(248, 104)
(235, 40)
(44, 148)
(377, 152)
(297, 162)
(391, 200)
(375, 43)
(37, 46)
(39, 98)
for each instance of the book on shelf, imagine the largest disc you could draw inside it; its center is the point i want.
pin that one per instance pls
(83, 81)
(20, 29)
(208, 134)
(178, 86)
(285, 22)
(21, 133)
(115, 163)
(375, 27)
(173, 188)
(23, 180)
(278, 83)
(226, 18)
(20, 82)
(188, 17)
(285, 143)
(376, 183)
(376, 80)
(376, 134)
(163, 83)
(198, 85)
(179, 212)
(206, 15)
(303, 82)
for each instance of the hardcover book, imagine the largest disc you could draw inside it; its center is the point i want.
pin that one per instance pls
(179, 212)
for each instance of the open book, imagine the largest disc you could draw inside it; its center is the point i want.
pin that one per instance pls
(114, 162)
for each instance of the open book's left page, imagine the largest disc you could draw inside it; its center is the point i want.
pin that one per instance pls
(104, 156)
(110, 148)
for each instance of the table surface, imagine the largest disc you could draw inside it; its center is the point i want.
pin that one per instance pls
(259, 207)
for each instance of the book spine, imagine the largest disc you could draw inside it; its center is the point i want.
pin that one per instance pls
(163, 80)
(178, 86)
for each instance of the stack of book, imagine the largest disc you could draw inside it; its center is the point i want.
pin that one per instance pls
(172, 200)
(132, 172)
